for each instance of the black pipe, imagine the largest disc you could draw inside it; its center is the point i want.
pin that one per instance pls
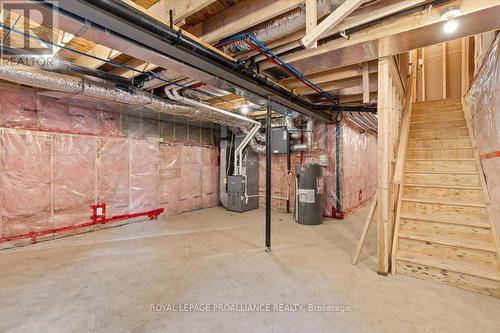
(338, 171)
(288, 172)
(135, 17)
(379, 21)
(268, 178)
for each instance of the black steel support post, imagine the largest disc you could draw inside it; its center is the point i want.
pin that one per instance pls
(288, 169)
(268, 178)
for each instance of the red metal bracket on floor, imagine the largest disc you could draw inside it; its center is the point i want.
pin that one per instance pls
(98, 217)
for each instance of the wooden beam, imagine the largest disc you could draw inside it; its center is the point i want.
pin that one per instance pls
(336, 74)
(99, 51)
(181, 8)
(311, 18)
(137, 64)
(386, 29)
(357, 98)
(331, 21)
(359, 17)
(240, 17)
(366, 83)
(342, 86)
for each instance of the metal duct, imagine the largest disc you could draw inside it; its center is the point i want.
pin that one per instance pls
(259, 148)
(281, 26)
(293, 131)
(174, 95)
(35, 77)
(309, 138)
(223, 167)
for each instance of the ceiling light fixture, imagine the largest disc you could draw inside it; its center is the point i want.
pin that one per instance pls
(449, 15)
(245, 109)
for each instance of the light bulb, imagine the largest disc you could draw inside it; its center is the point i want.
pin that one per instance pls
(244, 109)
(450, 26)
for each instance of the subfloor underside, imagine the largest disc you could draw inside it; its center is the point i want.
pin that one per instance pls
(108, 280)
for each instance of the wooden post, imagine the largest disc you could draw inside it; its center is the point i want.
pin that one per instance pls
(423, 74)
(366, 83)
(444, 70)
(366, 227)
(384, 164)
(465, 65)
(311, 18)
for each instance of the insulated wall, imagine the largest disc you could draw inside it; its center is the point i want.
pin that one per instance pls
(350, 178)
(57, 159)
(483, 107)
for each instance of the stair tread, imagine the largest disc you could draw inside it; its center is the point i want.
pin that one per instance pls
(450, 265)
(445, 138)
(432, 114)
(433, 148)
(436, 129)
(447, 202)
(435, 121)
(445, 219)
(443, 172)
(450, 241)
(460, 187)
(440, 159)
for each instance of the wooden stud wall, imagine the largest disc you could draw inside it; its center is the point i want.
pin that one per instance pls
(391, 92)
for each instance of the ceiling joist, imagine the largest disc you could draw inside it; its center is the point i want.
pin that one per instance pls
(330, 22)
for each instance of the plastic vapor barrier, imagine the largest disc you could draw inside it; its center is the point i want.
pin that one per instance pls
(483, 105)
(352, 164)
(57, 159)
(359, 168)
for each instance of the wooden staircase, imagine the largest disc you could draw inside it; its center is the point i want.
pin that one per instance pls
(443, 229)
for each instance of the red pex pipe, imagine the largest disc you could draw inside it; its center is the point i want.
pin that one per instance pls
(95, 219)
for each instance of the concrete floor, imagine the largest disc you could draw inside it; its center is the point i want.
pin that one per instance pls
(106, 281)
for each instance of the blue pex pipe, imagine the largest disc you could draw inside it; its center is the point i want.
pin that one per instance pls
(270, 54)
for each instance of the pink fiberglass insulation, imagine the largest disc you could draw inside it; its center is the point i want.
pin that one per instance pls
(17, 107)
(149, 127)
(74, 179)
(329, 173)
(483, 110)
(133, 126)
(109, 123)
(83, 120)
(359, 167)
(53, 114)
(210, 177)
(53, 166)
(113, 177)
(170, 179)
(281, 183)
(144, 175)
(25, 183)
(59, 116)
(191, 167)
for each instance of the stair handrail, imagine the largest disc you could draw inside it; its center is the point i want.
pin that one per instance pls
(400, 161)
(405, 129)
